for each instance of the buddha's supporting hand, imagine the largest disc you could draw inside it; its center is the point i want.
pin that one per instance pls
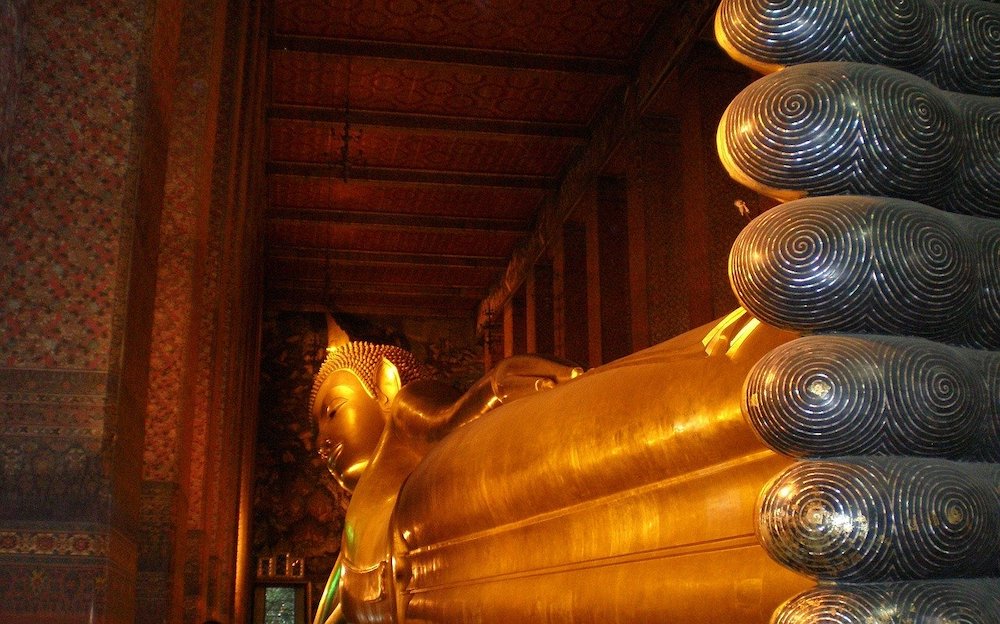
(523, 375)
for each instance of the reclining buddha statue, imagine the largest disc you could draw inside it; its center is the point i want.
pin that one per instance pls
(829, 452)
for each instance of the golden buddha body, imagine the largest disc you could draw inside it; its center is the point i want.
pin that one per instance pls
(566, 497)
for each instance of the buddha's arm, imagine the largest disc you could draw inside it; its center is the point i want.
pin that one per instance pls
(329, 610)
(429, 410)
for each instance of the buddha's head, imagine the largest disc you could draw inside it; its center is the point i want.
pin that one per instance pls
(350, 403)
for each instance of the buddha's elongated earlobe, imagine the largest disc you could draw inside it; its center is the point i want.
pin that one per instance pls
(387, 382)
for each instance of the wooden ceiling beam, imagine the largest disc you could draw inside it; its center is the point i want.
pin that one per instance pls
(405, 311)
(438, 123)
(414, 175)
(367, 289)
(409, 222)
(291, 301)
(505, 59)
(376, 303)
(380, 258)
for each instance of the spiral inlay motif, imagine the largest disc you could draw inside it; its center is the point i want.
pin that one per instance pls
(936, 400)
(818, 396)
(944, 526)
(978, 182)
(960, 601)
(871, 265)
(829, 396)
(883, 519)
(788, 131)
(828, 520)
(847, 128)
(990, 448)
(955, 44)
(927, 271)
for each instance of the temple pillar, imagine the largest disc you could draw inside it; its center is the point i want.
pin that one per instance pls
(225, 368)
(587, 211)
(97, 98)
(613, 254)
(180, 360)
(515, 325)
(540, 317)
(653, 179)
(82, 195)
(684, 203)
(558, 294)
(530, 313)
(572, 278)
(710, 201)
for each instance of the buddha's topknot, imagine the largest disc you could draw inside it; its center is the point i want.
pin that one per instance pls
(364, 358)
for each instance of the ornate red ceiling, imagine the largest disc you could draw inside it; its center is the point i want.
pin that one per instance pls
(436, 88)
(464, 115)
(414, 149)
(600, 29)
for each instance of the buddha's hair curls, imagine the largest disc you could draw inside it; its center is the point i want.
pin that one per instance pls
(364, 358)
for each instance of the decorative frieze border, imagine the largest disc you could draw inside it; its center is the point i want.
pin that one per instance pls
(60, 543)
(29, 385)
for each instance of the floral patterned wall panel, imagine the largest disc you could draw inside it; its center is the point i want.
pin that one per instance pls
(11, 66)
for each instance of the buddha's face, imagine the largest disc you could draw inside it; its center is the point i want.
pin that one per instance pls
(350, 422)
